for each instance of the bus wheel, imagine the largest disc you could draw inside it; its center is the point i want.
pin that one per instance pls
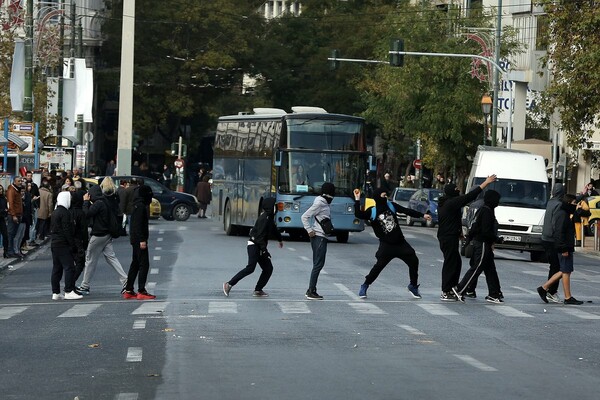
(342, 237)
(227, 225)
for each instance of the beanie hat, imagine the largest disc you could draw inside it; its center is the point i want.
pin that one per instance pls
(450, 190)
(491, 198)
(328, 188)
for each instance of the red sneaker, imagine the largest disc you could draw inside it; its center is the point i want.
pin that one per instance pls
(145, 296)
(129, 295)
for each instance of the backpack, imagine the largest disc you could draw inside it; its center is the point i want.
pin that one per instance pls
(114, 226)
(374, 210)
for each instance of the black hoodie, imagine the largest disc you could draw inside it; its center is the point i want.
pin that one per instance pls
(563, 228)
(265, 225)
(449, 211)
(138, 226)
(484, 227)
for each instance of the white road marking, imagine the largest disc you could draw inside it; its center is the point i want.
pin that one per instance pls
(580, 314)
(437, 309)
(80, 310)
(139, 324)
(347, 291)
(222, 307)
(182, 228)
(151, 285)
(524, 290)
(161, 231)
(410, 329)
(126, 396)
(134, 354)
(294, 307)
(158, 248)
(151, 307)
(153, 271)
(475, 363)
(8, 312)
(366, 308)
(509, 311)
(291, 249)
(440, 260)
(304, 258)
(159, 239)
(156, 258)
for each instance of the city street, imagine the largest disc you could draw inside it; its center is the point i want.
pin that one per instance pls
(192, 342)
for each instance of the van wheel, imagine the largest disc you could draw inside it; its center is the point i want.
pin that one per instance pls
(227, 225)
(409, 221)
(342, 237)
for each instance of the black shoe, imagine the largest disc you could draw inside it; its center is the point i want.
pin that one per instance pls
(448, 296)
(313, 295)
(494, 299)
(458, 295)
(471, 294)
(83, 291)
(573, 301)
(543, 292)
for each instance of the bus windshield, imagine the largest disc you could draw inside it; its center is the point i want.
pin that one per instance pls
(304, 173)
(519, 193)
(325, 134)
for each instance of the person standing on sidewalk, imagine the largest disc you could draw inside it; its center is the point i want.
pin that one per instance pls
(257, 250)
(564, 243)
(97, 204)
(450, 230)
(392, 243)
(63, 246)
(484, 234)
(311, 220)
(15, 214)
(3, 218)
(204, 195)
(138, 237)
(46, 207)
(554, 204)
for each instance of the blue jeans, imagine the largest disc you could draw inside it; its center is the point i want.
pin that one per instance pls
(12, 231)
(319, 249)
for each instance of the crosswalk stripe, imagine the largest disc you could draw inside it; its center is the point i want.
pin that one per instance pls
(79, 310)
(509, 311)
(410, 329)
(8, 312)
(153, 271)
(158, 248)
(134, 354)
(151, 307)
(347, 291)
(156, 258)
(475, 363)
(294, 307)
(366, 308)
(222, 307)
(126, 396)
(139, 324)
(580, 314)
(304, 258)
(159, 239)
(437, 309)
(151, 285)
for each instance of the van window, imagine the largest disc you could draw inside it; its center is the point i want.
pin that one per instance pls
(519, 193)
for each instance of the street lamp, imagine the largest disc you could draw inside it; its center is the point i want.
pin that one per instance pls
(486, 108)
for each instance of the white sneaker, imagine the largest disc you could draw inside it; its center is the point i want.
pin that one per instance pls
(72, 296)
(57, 296)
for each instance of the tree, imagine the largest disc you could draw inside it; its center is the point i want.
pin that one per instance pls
(573, 59)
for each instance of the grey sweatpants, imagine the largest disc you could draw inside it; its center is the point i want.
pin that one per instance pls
(101, 245)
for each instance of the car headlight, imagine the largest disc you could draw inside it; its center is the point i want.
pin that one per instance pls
(536, 229)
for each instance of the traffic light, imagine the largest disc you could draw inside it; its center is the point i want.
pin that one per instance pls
(334, 64)
(397, 60)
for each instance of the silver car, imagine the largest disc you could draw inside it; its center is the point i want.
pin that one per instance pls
(401, 195)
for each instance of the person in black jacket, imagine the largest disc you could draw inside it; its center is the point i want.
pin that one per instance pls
(3, 216)
(138, 237)
(484, 234)
(450, 230)
(62, 245)
(257, 249)
(392, 243)
(564, 243)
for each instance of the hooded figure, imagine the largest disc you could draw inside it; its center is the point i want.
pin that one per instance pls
(554, 204)
(328, 191)
(263, 228)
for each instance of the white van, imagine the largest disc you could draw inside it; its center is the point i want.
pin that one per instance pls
(523, 184)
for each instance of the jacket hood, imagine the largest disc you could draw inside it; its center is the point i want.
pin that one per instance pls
(450, 190)
(63, 199)
(491, 198)
(143, 194)
(95, 193)
(268, 205)
(77, 199)
(380, 201)
(558, 191)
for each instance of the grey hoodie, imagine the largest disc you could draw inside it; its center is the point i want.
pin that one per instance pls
(319, 209)
(558, 191)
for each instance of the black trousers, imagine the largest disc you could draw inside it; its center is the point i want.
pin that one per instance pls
(482, 261)
(452, 262)
(4, 233)
(387, 252)
(552, 256)
(140, 265)
(62, 261)
(79, 257)
(254, 258)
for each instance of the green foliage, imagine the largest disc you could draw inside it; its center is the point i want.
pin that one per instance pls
(574, 61)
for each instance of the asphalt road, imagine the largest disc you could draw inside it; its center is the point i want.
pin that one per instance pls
(195, 343)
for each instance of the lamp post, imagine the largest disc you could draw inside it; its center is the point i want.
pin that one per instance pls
(486, 108)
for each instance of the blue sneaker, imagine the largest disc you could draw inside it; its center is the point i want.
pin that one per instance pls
(414, 290)
(362, 293)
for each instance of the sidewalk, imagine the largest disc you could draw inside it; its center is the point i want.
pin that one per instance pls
(6, 262)
(588, 247)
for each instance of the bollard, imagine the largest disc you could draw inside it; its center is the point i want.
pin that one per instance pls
(582, 235)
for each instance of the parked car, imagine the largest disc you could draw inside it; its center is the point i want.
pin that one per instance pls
(594, 203)
(401, 195)
(154, 208)
(425, 201)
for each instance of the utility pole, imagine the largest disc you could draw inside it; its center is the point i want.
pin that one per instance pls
(497, 74)
(126, 90)
(61, 68)
(28, 85)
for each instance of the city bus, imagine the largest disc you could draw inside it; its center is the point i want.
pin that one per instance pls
(272, 153)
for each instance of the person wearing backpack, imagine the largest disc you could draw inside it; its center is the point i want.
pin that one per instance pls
(392, 243)
(100, 206)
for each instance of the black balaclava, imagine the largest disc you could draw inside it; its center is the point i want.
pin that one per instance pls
(328, 191)
(566, 204)
(268, 205)
(491, 198)
(450, 190)
(380, 201)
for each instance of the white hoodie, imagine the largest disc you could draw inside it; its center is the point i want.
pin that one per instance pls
(63, 199)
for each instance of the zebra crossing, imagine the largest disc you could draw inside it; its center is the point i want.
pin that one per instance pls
(229, 306)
